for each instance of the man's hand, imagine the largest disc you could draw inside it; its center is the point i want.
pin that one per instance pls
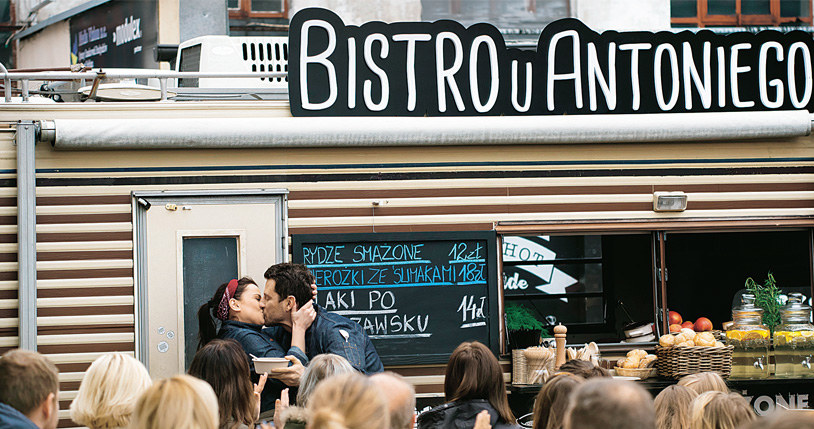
(258, 389)
(290, 375)
(304, 316)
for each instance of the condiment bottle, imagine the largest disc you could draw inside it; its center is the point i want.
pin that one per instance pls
(750, 339)
(794, 340)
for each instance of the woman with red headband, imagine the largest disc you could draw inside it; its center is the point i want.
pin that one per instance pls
(238, 305)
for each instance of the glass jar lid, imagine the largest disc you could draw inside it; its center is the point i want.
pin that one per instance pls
(747, 309)
(795, 311)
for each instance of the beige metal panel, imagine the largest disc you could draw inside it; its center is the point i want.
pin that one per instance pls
(144, 110)
(9, 192)
(83, 209)
(9, 341)
(496, 217)
(6, 304)
(50, 340)
(67, 377)
(106, 319)
(102, 282)
(43, 191)
(84, 301)
(80, 246)
(82, 227)
(542, 199)
(67, 395)
(89, 264)
(8, 284)
(9, 322)
(8, 266)
(60, 358)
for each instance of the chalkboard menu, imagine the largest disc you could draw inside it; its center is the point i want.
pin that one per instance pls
(417, 295)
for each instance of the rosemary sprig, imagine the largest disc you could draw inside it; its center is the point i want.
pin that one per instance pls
(767, 297)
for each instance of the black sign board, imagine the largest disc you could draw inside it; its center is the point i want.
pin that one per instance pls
(417, 295)
(442, 68)
(120, 33)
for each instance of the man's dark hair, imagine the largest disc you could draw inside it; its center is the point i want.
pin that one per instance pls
(291, 279)
(26, 379)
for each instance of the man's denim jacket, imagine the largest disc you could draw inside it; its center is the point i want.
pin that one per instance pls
(252, 339)
(332, 333)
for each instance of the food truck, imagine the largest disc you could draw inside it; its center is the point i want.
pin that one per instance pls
(430, 177)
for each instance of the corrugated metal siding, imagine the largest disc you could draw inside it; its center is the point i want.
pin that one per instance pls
(8, 246)
(85, 231)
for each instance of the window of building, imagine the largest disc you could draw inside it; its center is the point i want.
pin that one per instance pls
(586, 282)
(704, 13)
(257, 8)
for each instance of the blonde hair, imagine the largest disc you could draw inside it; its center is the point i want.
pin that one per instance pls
(321, 367)
(179, 402)
(673, 407)
(348, 401)
(719, 410)
(704, 382)
(109, 391)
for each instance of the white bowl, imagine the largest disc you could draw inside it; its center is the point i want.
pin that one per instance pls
(266, 364)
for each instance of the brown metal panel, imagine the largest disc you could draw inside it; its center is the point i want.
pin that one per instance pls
(87, 255)
(8, 294)
(652, 225)
(95, 329)
(87, 348)
(8, 313)
(94, 291)
(78, 236)
(80, 200)
(393, 228)
(84, 218)
(82, 274)
(85, 311)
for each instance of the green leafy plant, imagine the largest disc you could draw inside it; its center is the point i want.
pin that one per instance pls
(767, 297)
(519, 318)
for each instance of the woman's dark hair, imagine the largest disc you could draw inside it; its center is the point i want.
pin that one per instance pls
(207, 328)
(223, 364)
(583, 369)
(553, 399)
(473, 372)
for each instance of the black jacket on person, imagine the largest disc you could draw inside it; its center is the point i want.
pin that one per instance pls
(460, 415)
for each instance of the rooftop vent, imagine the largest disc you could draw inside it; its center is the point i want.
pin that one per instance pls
(234, 55)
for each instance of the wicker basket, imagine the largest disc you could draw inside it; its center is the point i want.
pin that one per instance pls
(676, 362)
(518, 367)
(641, 373)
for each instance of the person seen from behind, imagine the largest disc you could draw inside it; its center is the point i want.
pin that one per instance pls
(222, 364)
(605, 403)
(583, 369)
(179, 402)
(704, 382)
(719, 410)
(473, 382)
(109, 391)
(673, 407)
(400, 399)
(553, 399)
(348, 401)
(29, 391)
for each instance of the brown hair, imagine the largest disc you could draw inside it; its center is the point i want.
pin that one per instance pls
(223, 364)
(704, 382)
(673, 407)
(26, 379)
(553, 399)
(583, 369)
(719, 410)
(291, 280)
(784, 419)
(473, 372)
(207, 328)
(348, 401)
(179, 402)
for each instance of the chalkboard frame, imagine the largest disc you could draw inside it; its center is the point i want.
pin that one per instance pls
(492, 293)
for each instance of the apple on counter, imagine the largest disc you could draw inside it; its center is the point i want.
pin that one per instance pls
(687, 325)
(674, 318)
(702, 324)
(675, 327)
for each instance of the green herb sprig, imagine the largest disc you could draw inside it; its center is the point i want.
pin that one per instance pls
(519, 318)
(767, 297)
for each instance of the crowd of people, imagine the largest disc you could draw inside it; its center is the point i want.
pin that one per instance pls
(335, 380)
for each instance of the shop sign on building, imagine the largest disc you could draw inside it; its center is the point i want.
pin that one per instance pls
(120, 33)
(442, 68)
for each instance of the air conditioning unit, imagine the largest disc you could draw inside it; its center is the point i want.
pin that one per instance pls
(234, 55)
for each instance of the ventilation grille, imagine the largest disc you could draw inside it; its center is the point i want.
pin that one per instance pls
(267, 57)
(190, 62)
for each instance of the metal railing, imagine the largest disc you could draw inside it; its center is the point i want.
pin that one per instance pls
(100, 75)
